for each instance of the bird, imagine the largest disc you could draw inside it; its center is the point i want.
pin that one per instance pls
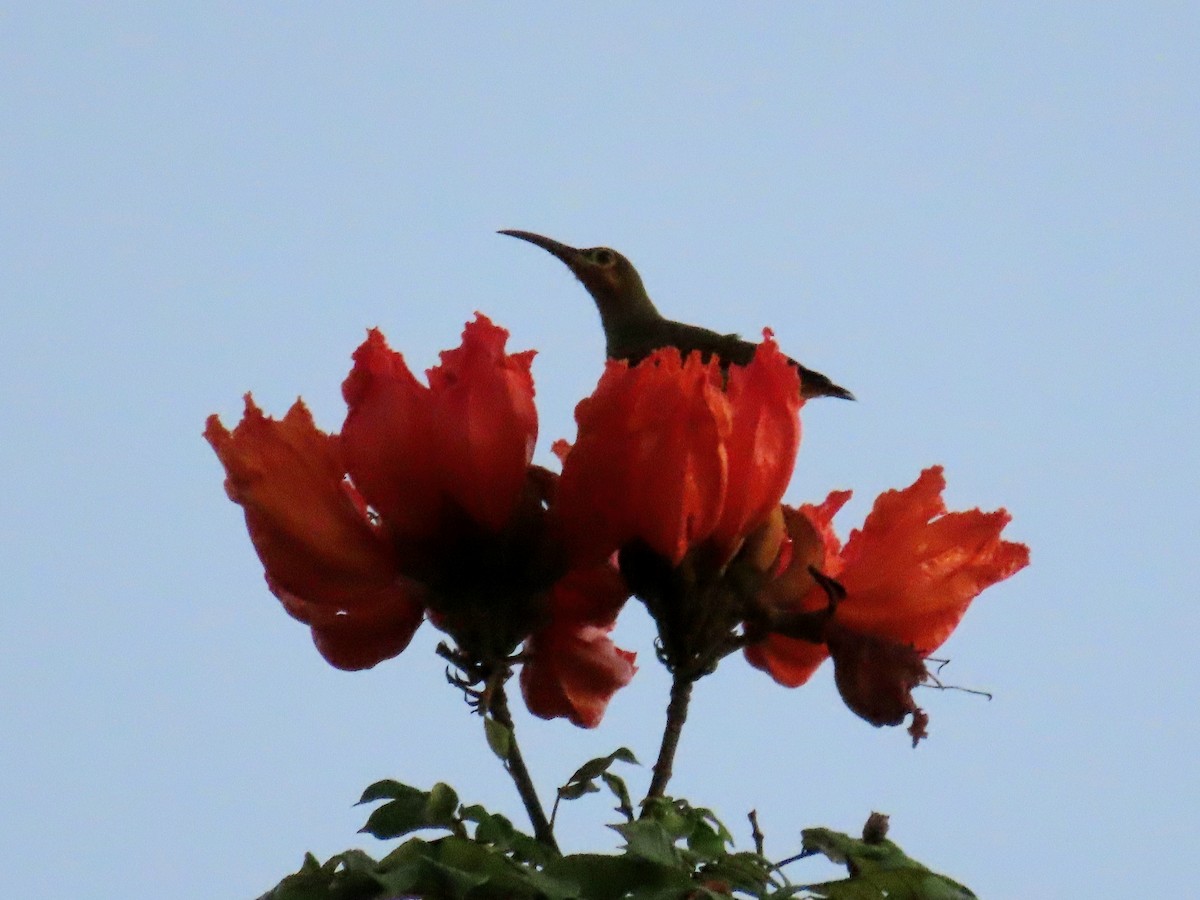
(633, 326)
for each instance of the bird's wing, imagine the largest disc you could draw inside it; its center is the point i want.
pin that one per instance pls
(729, 347)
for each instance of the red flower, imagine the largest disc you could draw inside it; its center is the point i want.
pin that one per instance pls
(909, 575)
(329, 564)
(572, 667)
(670, 454)
(466, 439)
(426, 501)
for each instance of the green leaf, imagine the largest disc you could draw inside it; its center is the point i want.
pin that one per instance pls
(354, 861)
(552, 888)
(406, 870)
(450, 867)
(675, 817)
(449, 881)
(387, 789)
(464, 861)
(575, 789)
(414, 849)
(413, 810)
(475, 812)
(593, 767)
(745, 871)
(498, 831)
(603, 877)
(878, 869)
(583, 781)
(701, 815)
(703, 831)
(346, 876)
(499, 737)
(397, 818)
(490, 828)
(441, 806)
(685, 891)
(468, 856)
(402, 879)
(705, 841)
(647, 839)
(617, 786)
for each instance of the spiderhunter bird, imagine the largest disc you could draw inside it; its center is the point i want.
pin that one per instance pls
(633, 326)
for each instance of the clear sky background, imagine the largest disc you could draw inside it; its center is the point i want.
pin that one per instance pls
(984, 219)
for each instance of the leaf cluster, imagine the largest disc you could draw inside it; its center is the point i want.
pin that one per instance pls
(583, 781)
(878, 869)
(481, 855)
(671, 851)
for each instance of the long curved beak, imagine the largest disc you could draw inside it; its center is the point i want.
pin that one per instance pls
(569, 255)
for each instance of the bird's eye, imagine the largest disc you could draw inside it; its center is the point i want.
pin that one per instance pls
(602, 257)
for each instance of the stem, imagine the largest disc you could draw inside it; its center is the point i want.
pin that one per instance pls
(756, 833)
(515, 766)
(789, 860)
(677, 710)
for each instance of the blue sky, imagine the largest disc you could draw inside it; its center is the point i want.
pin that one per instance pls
(984, 219)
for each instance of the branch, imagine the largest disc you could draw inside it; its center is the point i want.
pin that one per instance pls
(677, 710)
(756, 833)
(514, 764)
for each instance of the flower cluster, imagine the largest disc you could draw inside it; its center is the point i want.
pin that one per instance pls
(426, 504)
(682, 467)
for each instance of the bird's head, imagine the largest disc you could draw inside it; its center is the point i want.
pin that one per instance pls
(609, 277)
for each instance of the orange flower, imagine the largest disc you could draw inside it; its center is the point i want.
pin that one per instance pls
(909, 575)
(329, 564)
(572, 667)
(426, 502)
(669, 454)
(467, 439)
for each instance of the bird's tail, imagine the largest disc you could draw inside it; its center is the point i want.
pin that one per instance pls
(814, 384)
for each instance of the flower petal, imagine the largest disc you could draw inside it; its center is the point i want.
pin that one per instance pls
(764, 438)
(572, 667)
(876, 676)
(327, 564)
(311, 535)
(387, 440)
(372, 629)
(788, 660)
(913, 569)
(649, 460)
(484, 422)
(591, 596)
(813, 545)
